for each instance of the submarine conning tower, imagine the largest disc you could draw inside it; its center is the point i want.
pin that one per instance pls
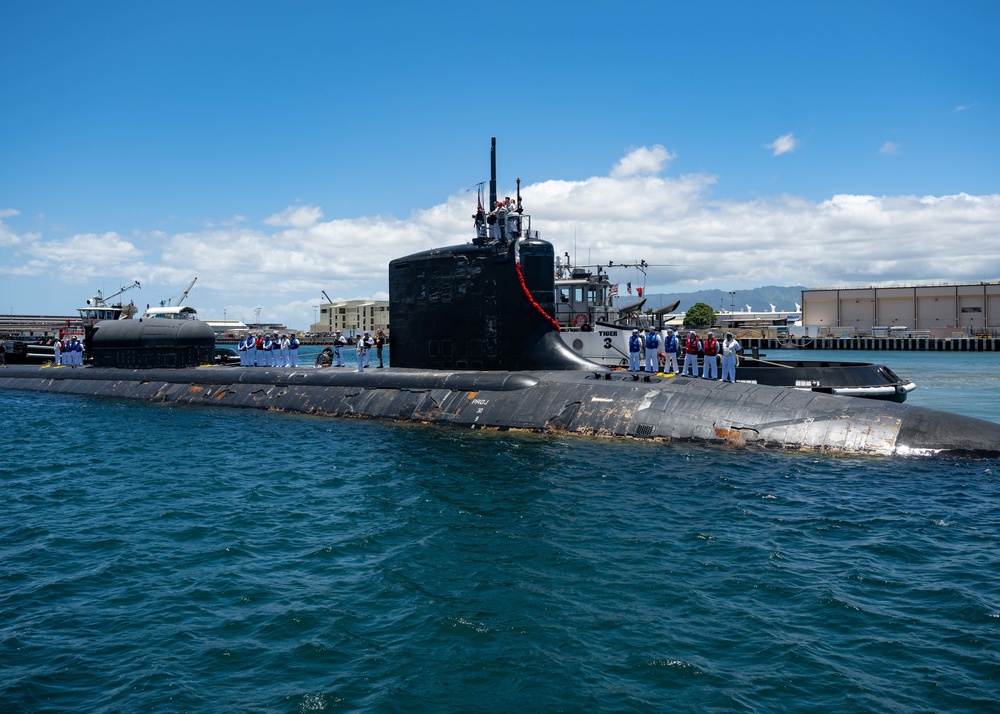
(485, 305)
(465, 307)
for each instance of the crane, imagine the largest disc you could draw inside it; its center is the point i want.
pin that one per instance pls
(183, 294)
(124, 289)
(326, 296)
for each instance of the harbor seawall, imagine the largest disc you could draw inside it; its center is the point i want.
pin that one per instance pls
(889, 344)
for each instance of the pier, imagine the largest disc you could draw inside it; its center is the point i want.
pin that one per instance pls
(893, 344)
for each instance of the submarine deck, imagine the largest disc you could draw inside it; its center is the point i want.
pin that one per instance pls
(596, 403)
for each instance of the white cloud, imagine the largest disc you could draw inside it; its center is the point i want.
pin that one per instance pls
(297, 216)
(784, 144)
(8, 212)
(283, 263)
(965, 107)
(643, 161)
(890, 148)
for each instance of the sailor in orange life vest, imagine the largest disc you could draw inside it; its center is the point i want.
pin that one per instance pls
(652, 347)
(692, 346)
(634, 346)
(729, 349)
(711, 362)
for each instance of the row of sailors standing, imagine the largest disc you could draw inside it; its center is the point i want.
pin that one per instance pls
(363, 346)
(265, 351)
(69, 353)
(709, 348)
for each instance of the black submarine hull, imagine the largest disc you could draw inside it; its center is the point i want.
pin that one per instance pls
(558, 402)
(475, 345)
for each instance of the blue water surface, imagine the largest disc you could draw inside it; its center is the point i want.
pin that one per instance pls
(157, 558)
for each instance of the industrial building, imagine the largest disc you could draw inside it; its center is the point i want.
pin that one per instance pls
(353, 316)
(915, 311)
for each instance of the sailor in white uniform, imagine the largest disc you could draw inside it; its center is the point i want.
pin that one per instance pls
(285, 347)
(730, 348)
(634, 347)
(652, 349)
(670, 345)
(57, 350)
(293, 351)
(362, 351)
(265, 351)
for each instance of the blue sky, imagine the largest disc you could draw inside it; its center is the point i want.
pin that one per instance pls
(275, 150)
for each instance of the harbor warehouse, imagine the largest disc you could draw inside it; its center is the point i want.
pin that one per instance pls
(933, 310)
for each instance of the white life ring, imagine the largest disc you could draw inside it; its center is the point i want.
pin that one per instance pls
(580, 320)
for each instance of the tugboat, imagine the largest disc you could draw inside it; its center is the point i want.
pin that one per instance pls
(593, 327)
(96, 310)
(589, 321)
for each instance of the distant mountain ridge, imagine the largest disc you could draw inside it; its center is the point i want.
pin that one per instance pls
(784, 299)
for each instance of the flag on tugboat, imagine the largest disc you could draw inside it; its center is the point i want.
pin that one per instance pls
(614, 291)
(638, 290)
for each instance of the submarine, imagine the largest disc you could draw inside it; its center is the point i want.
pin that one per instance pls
(475, 346)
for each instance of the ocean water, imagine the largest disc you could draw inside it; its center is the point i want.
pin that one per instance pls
(156, 558)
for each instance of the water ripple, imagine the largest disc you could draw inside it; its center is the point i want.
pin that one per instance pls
(191, 560)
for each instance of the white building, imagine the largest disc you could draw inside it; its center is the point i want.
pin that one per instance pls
(352, 316)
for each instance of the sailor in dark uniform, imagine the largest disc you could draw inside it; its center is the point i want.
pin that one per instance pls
(338, 347)
(369, 343)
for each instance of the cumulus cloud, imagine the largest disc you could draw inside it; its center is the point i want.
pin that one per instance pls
(642, 161)
(784, 144)
(296, 216)
(889, 148)
(691, 239)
